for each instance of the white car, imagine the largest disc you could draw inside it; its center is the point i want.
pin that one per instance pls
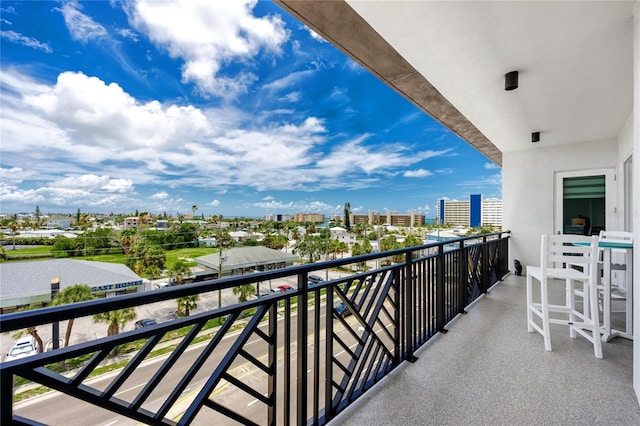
(24, 346)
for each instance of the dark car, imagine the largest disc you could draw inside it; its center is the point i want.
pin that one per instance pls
(315, 279)
(342, 310)
(147, 322)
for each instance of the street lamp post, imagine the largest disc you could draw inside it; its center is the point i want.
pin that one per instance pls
(221, 260)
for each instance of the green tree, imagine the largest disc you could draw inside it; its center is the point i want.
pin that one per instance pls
(65, 247)
(153, 272)
(128, 239)
(143, 255)
(412, 241)
(72, 294)
(389, 243)
(179, 270)
(194, 208)
(311, 246)
(115, 319)
(186, 304)
(244, 291)
(13, 226)
(276, 242)
(37, 216)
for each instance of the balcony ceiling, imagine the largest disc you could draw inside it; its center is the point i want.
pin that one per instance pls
(575, 61)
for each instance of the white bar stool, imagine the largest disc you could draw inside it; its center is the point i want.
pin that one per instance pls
(570, 258)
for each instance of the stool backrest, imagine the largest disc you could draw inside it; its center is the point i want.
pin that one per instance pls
(616, 237)
(567, 250)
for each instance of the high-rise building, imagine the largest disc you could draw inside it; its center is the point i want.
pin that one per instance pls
(298, 217)
(472, 213)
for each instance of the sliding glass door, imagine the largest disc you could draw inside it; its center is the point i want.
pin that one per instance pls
(585, 201)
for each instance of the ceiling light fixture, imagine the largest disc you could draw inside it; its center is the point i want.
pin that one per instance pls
(535, 137)
(511, 80)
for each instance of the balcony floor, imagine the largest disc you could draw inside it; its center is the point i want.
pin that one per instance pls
(488, 370)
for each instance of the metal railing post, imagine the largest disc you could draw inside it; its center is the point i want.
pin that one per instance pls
(409, 306)
(463, 280)
(484, 265)
(302, 362)
(440, 289)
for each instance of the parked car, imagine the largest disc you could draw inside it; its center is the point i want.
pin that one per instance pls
(24, 346)
(284, 288)
(342, 310)
(314, 278)
(147, 322)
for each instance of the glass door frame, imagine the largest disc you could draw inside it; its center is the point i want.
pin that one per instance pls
(611, 199)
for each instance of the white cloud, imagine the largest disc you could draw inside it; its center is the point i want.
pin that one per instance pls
(128, 33)
(417, 173)
(314, 35)
(81, 27)
(272, 205)
(162, 195)
(207, 35)
(71, 127)
(14, 37)
(214, 203)
(491, 166)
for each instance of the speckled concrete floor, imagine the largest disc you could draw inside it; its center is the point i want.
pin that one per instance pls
(488, 370)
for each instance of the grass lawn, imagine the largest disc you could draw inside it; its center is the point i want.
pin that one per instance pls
(187, 254)
(27, 252)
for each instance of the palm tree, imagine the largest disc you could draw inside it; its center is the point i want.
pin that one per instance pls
(179, 270)
(14, 227)
(34, 332)
(186, 304)
(116, 319)
(244, 291)
(194, 208)
(72, 294)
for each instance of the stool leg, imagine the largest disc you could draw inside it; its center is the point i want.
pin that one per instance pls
(545, 313)
(529, 303)
(595, 320)
(571, 304)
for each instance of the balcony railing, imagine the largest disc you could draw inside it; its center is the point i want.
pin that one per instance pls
(284, 358)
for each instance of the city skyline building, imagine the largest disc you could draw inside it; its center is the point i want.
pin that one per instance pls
(472, 213)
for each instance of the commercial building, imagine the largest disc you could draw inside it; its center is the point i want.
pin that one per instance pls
(28, 284)
(243, 260)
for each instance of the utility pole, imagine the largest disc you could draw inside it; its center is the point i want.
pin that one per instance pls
(55, 327)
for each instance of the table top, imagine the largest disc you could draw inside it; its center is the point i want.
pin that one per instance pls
(609, 244)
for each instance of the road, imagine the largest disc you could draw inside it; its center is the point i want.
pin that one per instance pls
(47, 409)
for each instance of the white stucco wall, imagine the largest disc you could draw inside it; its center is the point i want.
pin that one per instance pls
(528, 189)
(636, 201)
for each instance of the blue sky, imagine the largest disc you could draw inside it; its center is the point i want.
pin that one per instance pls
(232, 106)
